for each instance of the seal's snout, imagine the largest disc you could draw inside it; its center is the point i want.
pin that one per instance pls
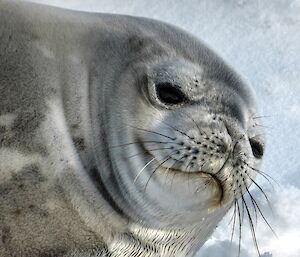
(201, 142)
(200, 148)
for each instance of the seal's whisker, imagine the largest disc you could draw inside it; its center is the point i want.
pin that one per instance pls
(172, 179)
(184, 171)
(252, 201)
(144, 142)
(154, 172)
(149, 150)
(265, 219)
(259, 135)
(154, 132)
(182, 157)
(200, 130)
(243, 210)
(261, 117)
(205, 185)
(140, 172)
(232, 214)
(165, 160)
(263, 192)
(251, 225)
(234, 220)
(265, 175)
(256, 206)
(188, 169)
(170, 167)
(176, 129)
(240, 226)
(263, 126)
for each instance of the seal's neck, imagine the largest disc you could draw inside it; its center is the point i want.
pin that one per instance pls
(142, 241)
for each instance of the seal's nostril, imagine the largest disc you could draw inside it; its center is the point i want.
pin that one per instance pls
(257, 148)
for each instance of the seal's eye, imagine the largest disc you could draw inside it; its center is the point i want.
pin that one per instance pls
(257, 148)
(169, 94)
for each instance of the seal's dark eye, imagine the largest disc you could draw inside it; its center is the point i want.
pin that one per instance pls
(257, 148)
(169, 94)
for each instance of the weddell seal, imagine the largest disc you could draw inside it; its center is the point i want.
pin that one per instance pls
(120, 136)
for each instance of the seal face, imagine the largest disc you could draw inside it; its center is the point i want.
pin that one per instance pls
(189, 134)
(128, 130)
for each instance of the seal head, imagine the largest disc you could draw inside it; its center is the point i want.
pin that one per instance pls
(182, 141)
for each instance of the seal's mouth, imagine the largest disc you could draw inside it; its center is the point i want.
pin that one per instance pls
(201, 173)
(204, 174)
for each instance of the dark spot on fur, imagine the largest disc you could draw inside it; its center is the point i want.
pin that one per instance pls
(79, 143)
(30, 172)
(74, 126)
(21, 186)
(17, 212)
(195, 151)
(2, 129)
(28, 177)
(135, 43)
(27, 121)
(22, 134)
(5, 234)
(54, 253)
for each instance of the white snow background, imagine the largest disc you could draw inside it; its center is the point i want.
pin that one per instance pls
(261, 41)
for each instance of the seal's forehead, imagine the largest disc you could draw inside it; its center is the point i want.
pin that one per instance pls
(177, 70)
(182, 52)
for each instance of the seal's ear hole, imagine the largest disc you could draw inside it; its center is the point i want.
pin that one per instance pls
(257, 148)
(169, 94)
